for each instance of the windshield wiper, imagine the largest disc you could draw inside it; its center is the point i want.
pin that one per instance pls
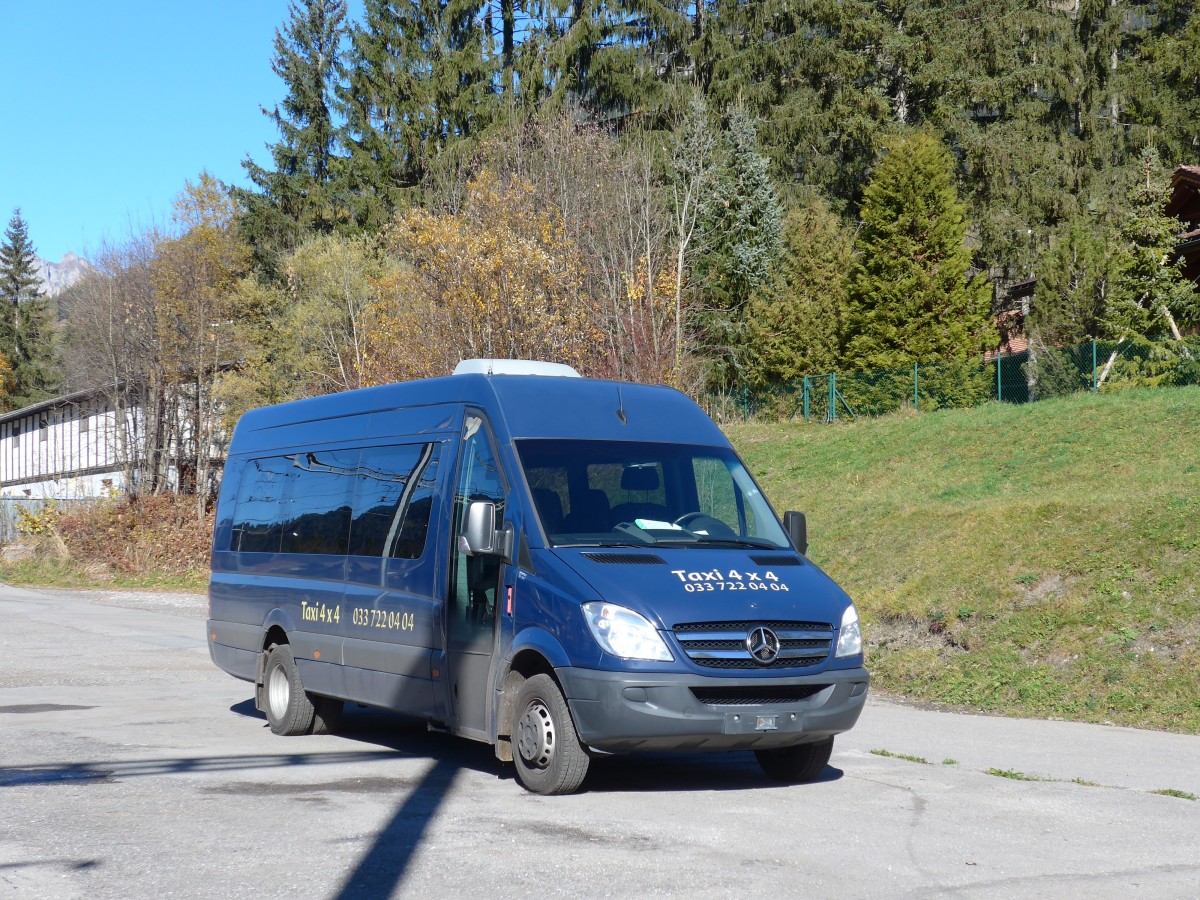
(641, 544)
(757, 543)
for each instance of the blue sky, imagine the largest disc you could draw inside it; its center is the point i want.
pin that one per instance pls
(108, 108)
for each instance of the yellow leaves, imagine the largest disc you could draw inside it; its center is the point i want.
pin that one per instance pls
(195, 276)
(500, 279)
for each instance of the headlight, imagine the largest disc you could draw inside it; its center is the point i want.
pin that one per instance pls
(624, 633)
(850, 635)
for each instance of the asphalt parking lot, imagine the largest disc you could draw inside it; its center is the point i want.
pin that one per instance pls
(131, 767)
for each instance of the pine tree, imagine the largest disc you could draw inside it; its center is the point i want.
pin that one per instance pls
(26, 321)
(795, 320)
(740, 240)
(420, 80)
(808, 72)
(18, 264)
(1075, 277)
(913, 297)
(1150, 297)
(998, 73)
(607, 56)
(1160, 85)
(295, 195)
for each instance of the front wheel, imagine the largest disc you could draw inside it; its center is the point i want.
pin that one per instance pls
(795, 765)
(549, 758)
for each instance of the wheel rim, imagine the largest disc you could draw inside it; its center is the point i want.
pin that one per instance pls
(279, 692)
(535, 735)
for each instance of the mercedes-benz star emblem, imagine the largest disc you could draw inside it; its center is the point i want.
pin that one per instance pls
(763, 645)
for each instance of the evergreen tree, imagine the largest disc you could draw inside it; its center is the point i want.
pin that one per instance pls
(18, 264)
(811, 73)
(998, 72)
(1075, 277)
(740, 240)
(1161, 87)
(795, 320)
(26, 321)
(420, 80)
(609, 56)
(295, 195)
(1150, 297)
(912, 294)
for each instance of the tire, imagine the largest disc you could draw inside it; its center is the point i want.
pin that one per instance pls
(796, 765)
(327, 714)
(547, 753)
(288, 709)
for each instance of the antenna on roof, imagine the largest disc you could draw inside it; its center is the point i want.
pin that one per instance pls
(624, 419)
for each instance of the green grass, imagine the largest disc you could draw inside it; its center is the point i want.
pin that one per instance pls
(890, 755)
(1011, 774)
(1037, 560)
(1171, 792)
(51, 572)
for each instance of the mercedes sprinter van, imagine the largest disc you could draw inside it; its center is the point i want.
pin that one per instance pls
(561, 567)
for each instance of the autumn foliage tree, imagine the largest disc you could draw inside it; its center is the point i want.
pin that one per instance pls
(194, 274)
(499, 279)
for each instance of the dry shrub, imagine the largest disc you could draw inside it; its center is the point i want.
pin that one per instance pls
(137, 536)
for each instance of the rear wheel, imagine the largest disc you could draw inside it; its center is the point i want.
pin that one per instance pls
(327, 714)
(795, 765)
(288, 709)
(548, 757)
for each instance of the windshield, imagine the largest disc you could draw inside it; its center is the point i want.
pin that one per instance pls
(625, 493)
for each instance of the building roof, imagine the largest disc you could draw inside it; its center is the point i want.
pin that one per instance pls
(52, 403)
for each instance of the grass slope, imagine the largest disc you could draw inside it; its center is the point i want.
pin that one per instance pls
(1034, 560)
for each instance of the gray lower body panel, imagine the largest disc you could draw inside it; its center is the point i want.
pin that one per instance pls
(383, 674)
(618, 711)
(237, 662)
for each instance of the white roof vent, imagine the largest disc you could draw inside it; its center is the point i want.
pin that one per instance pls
(514, 367)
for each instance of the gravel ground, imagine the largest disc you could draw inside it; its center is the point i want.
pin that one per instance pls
(192, 606)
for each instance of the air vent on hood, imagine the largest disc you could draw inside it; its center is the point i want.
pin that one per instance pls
(764, 560)
(627, 559)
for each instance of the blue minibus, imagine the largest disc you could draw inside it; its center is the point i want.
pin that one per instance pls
(561, 567)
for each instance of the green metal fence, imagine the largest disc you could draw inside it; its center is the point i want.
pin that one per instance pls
(1010, 378)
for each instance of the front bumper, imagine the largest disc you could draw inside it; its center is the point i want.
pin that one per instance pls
(618, 711)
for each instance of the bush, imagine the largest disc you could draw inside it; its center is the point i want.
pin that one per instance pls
(136, 536)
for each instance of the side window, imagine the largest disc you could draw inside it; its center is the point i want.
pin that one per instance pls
(316, 509)
(256, 524)
(393, 500)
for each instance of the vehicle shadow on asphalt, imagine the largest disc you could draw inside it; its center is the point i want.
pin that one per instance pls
(381, 870)
(643, 772)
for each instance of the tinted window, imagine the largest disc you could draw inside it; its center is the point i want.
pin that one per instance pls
(315, 513)
(372, 502)
(256, 527)
(393, 500)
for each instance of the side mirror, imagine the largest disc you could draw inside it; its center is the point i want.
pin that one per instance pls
(796, 527)
(480, 537)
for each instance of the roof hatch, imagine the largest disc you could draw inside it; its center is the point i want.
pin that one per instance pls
(514, 367)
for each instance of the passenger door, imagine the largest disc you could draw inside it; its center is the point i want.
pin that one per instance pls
(474, 584)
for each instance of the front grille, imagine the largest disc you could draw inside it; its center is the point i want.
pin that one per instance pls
(722, 645)
(627, 559)
(758, 695)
